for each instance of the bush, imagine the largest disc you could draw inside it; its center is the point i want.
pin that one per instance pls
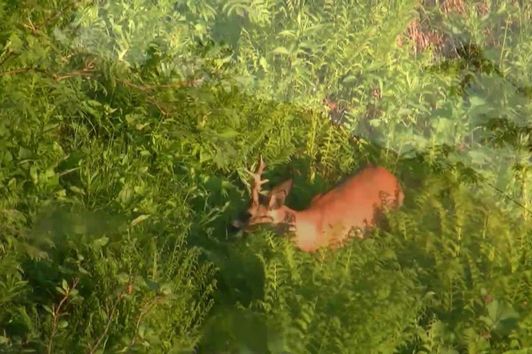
(125, 129)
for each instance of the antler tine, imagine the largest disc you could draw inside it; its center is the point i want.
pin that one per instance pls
(262, 165)
(257, 181)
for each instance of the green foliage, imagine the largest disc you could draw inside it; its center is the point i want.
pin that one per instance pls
(303, 317)
(474, 262)
(125, 128)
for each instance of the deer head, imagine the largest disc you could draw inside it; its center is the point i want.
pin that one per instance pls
(266, 209)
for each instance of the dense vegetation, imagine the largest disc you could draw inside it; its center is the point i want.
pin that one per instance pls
(125, 128)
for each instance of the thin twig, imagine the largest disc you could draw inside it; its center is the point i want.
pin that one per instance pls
(56, 314)
(8, 55)
(95, 346)
(148, 87)
(19, 71)
(145, 309)
(57, 77)
(47, 22)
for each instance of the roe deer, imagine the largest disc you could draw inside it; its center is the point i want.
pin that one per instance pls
(351, 208)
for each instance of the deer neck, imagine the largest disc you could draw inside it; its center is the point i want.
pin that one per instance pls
(306, 225)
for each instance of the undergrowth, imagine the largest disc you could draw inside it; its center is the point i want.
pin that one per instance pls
(126, 128)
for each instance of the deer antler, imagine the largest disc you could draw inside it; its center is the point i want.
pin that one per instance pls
(257, 181)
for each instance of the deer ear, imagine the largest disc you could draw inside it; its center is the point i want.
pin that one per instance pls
(279, 193)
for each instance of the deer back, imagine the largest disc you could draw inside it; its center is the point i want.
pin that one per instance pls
(351, 208)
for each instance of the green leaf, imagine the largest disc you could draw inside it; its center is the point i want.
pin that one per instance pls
(15, 43)
(502, 315)
(166, 289)
(63, 324)
(139, 219)
(76, 190)
(123, 278)
(281, 51)
(228, 133)
(47, 309)
(349, 79)
(100, 242)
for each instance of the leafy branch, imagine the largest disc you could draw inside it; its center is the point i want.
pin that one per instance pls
(110, 319)
(86, 71)
(69, 293)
